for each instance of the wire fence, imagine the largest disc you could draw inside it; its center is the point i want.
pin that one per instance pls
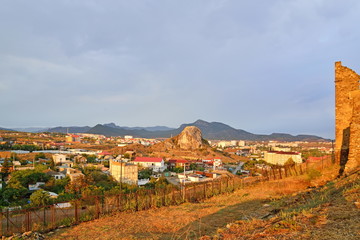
(87, 208)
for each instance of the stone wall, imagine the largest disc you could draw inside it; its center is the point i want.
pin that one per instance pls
(346, 116)
(354, 145)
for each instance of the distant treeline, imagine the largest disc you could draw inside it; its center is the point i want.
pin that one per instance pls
(25, 147)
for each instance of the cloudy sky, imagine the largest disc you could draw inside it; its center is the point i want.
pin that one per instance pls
(261, 66)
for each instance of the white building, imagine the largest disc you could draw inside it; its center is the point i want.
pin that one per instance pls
(280, 158)
(157, 164)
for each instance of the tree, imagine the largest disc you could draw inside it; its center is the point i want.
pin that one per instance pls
(52, 164)
(29, 176)
(5, 170)
(39, 155)
(40, 198)
(91, 158)
(12, 195)
(145, 173)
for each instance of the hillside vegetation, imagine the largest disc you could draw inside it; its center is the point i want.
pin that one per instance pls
(279, 209)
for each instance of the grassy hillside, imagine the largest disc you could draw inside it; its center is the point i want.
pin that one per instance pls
(279, 209)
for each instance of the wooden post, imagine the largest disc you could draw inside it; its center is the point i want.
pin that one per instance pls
(205, 191)
(53, 216)
(286, 174)
(28, 221)
(212, 187)
(220, 185)
(136, 202)
(164, 196)
(295, 170)
(301, 172)
(76, 212)
(280, 170)
(97, 207)
(195, 195)
(173, 196)
(1, 224)
(273, 172)
(227, 184)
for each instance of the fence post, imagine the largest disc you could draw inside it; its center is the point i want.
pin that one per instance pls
(273, 172)
(136, 201)
(164, 196)
(212, 187)
(301, 172)
(173, 197)
(7, 220)
(286, 174)
(53, 216)
(295, 170)
(227, 184)
(1, 224)
(280, 170)
(205, 190)
(220, 185)
(195, 193)
(76, 211)
(28, 219)
(97, 207)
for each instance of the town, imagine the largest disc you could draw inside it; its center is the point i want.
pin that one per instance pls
(52, 168)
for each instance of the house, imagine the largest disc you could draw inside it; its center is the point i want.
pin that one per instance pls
(157, 164)
(72, 173)
(54, 174)
(80, 159)
(179, 163)
(124, 172)
(36, 186)
(59, 158)
(72, 138)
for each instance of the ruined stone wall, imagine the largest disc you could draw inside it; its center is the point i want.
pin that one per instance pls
(346, 84)
(354, 145)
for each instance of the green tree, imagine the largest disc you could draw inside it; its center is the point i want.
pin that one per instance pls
(90, 158)
(5, 170)
(39, 155)
(40, 198)
(10, 196)
(29, 176)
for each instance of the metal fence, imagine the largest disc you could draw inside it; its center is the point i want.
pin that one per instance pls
(92, 207)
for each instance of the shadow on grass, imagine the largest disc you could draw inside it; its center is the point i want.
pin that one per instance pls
(208, 225)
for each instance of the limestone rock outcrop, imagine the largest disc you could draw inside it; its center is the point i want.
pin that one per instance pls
(190, 138)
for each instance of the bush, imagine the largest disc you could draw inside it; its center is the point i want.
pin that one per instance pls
(312, 174)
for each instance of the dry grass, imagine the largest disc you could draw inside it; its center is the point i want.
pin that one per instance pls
(188, 221)
(327, 212)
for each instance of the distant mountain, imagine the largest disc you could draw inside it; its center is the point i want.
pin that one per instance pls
(31, 129)
(210, 130)
(68, 129)
(6, 129)
(151, 129)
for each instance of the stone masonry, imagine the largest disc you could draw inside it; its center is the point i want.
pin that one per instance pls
(347, 118)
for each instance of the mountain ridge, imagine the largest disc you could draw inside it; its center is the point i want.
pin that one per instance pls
(210, 130)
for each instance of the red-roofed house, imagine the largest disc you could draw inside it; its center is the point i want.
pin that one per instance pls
(104, 153)
(316, 159)
(73, 138)
(157, 164)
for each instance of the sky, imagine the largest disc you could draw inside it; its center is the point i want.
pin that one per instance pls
(261, 66)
